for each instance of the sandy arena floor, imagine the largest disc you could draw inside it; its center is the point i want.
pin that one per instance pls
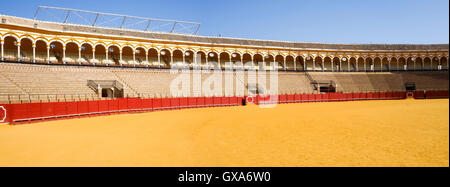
(370, 133)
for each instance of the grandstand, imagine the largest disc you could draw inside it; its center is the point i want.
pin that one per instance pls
(44, 61)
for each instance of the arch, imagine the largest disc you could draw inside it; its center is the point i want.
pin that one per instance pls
(26, 49)
(301, 63)
(319, 64)
(257, 61)
(141, 56)
(269, 60)
(236, 60)
(128, 55)
(328, 63)
(189, 57)
(443, 63)
(361, 64)
(418, 64)
(393, 64)
(224, 60)
(279, 59)
(377, 64)
(402, 64)
(201, 59)
(309, 63)
(427, 63)
(86, 53)
(385, 65)
(56, 52)
(369, 65)
(212, 60)
(345, 65)
(353, 63)
(336, 64)
(247, 61)
(41, 51)
(153, 57)
(177, 58)
(165, 57)
(10, 47)
(100, 53)
(290, 60)
(113, 56)
(72, 50)
(410, 62)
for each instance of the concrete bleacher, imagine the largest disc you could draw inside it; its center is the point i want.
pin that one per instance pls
(59, 82)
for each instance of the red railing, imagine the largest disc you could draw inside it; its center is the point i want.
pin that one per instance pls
(31, 112)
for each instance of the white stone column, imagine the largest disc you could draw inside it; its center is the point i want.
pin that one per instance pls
(93, 55)
(159, 60)
(79, 55)
(18, 52)
(34, 53)
(3, 52)
(340, 64)
(64, 55)
(107, 56)
(295, 64)
(184, 60)
(365, 65)
(332, 64)
(171, 60)
(134, 58)
(146, 58)
(314, 64)
(48, 54)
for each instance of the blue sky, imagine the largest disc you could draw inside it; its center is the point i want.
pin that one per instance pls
(329, 21)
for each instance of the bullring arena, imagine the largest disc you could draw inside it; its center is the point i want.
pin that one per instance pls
(85, 95)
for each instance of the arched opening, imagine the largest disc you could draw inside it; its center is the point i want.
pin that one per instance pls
(319, 65)
(100, 54)
(353, 64)
(385, 66)
(200, 60)
(127, 56)
(72, 53)
(370, 66)
(86, 54)
(189, 58)
(309, 63)
(301, 63)
(402, 64)
(269, 59)
(377, 64)
(224, 59)
(443, 65)
(236, 60)
(257, 60)
(361, 64)
(345, 65)
(290, 63)
(56, 52)
(279, 59)
(213, 61)
(418, 64)
(327, 64)
(337, 64)
(26, 50)
(141, 57)
(393, 64)
(10, 51)
(153, 57)
(427, 64)
(165, 58)
(247, 60)
(410, 63)
(113, 56)
(41, 51)
(177, 59)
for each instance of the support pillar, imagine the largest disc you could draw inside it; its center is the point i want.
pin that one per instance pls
(285, 67)
(48, 54)
(79, 55)
(159, 60)
(18, 52)
(93, 56)
(134, 58)
(3, 52)
(64, 55)
(34, 53)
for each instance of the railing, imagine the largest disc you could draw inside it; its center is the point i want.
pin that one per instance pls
(33, 98)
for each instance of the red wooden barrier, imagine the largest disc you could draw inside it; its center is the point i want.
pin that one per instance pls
(201, 102)
(291, 98)
(157, 104)
(93, 106)
(103, 106)
(184, 102)
(123, 104)
(192, 102)
(19, 111)
(35, 110)
(165, 103)
(209, 101)
(113, 105)
(175, 103)
(60, 109)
